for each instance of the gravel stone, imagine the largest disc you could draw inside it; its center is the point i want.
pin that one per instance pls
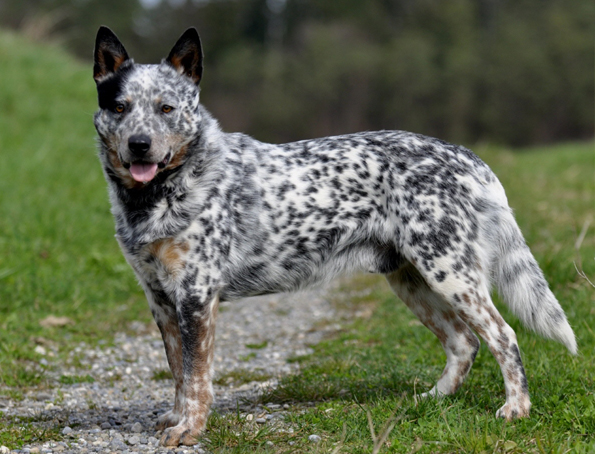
(117, 444)
(125, 399)
(134, 440)
(42, 397)
(314, 438)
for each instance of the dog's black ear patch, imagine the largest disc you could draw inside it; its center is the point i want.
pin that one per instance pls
(186, 55)
(109, 54)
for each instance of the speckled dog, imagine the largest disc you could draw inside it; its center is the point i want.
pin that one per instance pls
(204, 216)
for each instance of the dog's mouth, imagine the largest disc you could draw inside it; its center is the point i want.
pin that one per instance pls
(143, 171)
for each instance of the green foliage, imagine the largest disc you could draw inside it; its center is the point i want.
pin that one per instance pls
(515, 73)
(512, 72)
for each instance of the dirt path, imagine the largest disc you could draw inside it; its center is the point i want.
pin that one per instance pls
(121, 389)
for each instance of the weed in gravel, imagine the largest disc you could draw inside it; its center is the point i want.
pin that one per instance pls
(259, 346)
(162, 374)
(247, 357)
(72, 379)
(239, 377)
(18, 431)
(112, 378)
(92, 405)
(15, 394)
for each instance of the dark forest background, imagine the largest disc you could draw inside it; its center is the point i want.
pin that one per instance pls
(512, 72)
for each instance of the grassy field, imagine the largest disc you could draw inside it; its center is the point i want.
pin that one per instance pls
(57, 251)
(58, 257)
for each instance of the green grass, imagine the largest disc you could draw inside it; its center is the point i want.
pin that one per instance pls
(162, 374)
(57, 251)
(58, 257)
(18, 431)
(258, 346)
(72, 379)
(239, 377)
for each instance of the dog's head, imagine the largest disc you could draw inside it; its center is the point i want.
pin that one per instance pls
(147, 113)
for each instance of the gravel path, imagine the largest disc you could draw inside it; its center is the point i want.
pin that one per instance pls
(117, 411)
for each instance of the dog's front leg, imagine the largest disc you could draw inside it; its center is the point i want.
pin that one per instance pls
(167, 321)
(196, 316)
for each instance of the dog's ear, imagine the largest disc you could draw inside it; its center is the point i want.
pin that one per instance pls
(109, 54)
(186, 55)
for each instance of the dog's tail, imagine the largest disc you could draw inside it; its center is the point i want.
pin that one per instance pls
(523, 287)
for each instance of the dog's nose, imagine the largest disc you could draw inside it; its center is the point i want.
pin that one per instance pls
(139, 144)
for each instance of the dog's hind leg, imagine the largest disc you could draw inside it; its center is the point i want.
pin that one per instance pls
(458, 341)
(465, 290)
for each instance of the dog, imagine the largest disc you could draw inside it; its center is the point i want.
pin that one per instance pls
(204, 216)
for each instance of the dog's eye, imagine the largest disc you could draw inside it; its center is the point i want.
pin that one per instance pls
(166, 108)
(119, 108)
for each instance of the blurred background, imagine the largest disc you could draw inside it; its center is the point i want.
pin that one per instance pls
(510, 72)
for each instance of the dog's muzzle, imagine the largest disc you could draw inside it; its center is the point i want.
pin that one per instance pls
(143, 171)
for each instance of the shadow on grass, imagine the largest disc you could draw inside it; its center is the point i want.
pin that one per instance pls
(311, 385)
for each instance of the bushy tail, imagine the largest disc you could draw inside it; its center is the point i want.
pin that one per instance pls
(523, 287)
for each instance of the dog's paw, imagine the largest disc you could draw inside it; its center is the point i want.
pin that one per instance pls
(181, 434)
(168, 419)
(431, 394)
(514, 410)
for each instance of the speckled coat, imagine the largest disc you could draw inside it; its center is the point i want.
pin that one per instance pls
(203, 216)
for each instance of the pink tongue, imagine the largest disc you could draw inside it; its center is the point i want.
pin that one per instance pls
(143, 171)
